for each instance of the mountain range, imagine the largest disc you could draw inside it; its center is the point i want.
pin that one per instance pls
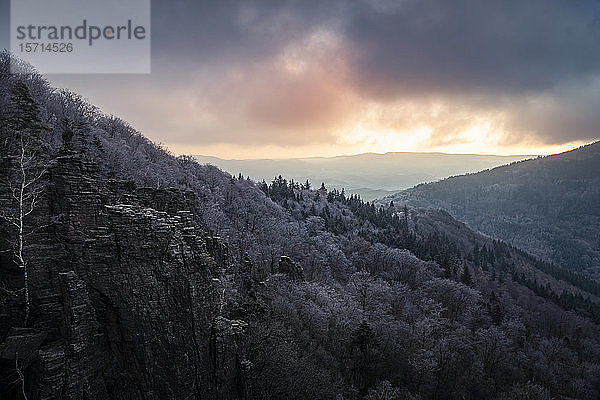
(370, 175)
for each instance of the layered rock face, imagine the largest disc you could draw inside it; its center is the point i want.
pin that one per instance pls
(122, 287)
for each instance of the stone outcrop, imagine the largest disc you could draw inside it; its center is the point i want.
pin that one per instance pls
(122, 296)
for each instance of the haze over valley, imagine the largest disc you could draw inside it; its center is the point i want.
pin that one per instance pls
(369, 175)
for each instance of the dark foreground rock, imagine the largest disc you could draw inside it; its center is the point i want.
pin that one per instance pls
(122, 297)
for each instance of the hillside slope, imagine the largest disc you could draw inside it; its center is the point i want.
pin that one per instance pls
(146, 276)
(549, 206)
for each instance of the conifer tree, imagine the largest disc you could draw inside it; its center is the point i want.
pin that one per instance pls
(466, 277)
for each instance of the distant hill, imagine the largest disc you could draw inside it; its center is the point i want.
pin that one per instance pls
(369, 175)
(549, 206)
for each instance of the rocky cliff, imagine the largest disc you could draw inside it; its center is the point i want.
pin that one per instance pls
(122, 283)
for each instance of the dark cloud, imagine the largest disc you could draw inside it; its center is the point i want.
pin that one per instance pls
(570, 112)
(511, 56)
(505, 46)
(220, 72)
(401, 47)
(222, 31)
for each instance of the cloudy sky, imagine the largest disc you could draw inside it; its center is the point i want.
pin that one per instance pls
(303, 78)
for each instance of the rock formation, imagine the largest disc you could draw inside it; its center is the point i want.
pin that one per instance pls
(122, 282)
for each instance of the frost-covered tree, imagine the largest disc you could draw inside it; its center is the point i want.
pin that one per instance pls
(23, 154)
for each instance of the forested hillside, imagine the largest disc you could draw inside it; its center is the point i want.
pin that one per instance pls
(549, 206)
(128, 273)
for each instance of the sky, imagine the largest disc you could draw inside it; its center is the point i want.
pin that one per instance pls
(275, 79)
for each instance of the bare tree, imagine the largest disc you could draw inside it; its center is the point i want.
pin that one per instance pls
(24, 154)
(21, 376)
